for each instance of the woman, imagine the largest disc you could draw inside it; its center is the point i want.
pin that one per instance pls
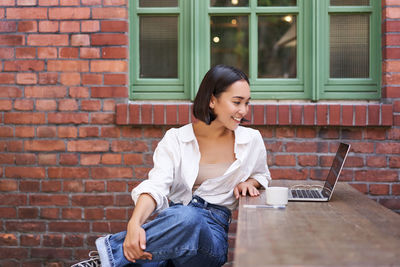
(199, 172)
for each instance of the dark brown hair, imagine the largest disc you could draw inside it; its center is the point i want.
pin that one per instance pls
(214, 83)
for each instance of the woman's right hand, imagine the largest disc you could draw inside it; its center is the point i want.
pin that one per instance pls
(135, 243)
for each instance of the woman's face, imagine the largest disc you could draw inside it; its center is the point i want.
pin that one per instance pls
(232, 105)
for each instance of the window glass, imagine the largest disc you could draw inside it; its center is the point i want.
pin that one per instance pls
(349, 46)
(158, 46)
(277, 46)
(350, 2)
(158, 3)
(230, 41)
(228, 3)
(276, 2)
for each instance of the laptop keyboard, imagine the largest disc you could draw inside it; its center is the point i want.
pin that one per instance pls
(304, 193)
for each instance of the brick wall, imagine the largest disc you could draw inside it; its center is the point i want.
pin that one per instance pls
(72, 147)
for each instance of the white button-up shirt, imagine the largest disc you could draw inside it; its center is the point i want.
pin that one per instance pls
(176, 165)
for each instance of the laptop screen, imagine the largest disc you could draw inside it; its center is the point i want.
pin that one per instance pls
(335, 170)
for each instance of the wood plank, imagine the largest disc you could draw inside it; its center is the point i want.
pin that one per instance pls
(349, 230)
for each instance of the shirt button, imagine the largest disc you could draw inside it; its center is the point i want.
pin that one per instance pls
(195, 200)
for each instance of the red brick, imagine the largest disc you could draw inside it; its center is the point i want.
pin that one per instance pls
(91, 2)
(110, 132)
(12, 40)
(309, 114)
(122, 114)
(67, 132)
(25, 172)
(6, 212)
(25, 159)
(7, 158)
(10, 92)
(360, 115)
(68, 159)
(301, 147)
(375, 134)
(387, 115)
(394, 162)
(137, 132)
(373, 114)
(158, 114)
(49, 200)
(69, 26)
(48, 40)
(334, 115)
(5, 105)
(88, 131)
(347, 115)
(13, 253)
(68, 172)
(101, 39)
(90, 200)
(88, 146)
(8, 185)
(69, 52)
(290, 173)
(47, 52)
(24, 131)
(108, 66)
(26, 2)
(285, 160)
(47, 159)
(111, 159)
(129, 146)
(6, 52)
(376, 176)
(51, 186)
(116, 214)
(114, 2)
(49, 213)
(24, 118)
(79, 92)
(8, 240)
(67, 118)
(116, 186)
(24, 65)
(65, 13)
(27, 13)
(379, 189)
(109, 13)
(8, 26)
(70, 78)
(28, 213)
(271, 112)
(90, 26)
(115, 79)
(80, 40)
(112, 172)
(102, 118)
(69, 2)
(133, 159)
(46, 131)
(306, 132)
(171, 114)
(109, 105)
(68, 65)
(90, 159)
(48, 26)
(7, 78)
(109, 92)
(92, 79)
(114, 26)
(45, 91)
(90, 105)
(285, 132)
(392, 203)
(114, 52)
(73, 186)
(46, 105)
(26, 78)
(90, 52)
(388, 148)
(27, 26)
(94, 186)
(44, 145)
(396, 189)
(283, 114)
(378, 162)
(25, 52)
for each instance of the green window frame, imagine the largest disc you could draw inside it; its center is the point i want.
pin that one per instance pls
(313, 52)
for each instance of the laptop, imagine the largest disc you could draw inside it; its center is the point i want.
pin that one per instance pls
(323, 193)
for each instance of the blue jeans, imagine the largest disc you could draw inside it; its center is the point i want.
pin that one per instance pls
(180, 236)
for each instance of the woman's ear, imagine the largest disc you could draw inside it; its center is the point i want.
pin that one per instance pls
(212, 102)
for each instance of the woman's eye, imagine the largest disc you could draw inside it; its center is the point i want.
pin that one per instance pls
(236, 103)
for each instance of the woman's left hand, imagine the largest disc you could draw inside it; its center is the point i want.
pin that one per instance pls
(245, 187)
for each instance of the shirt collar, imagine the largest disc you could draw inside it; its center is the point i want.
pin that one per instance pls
(186, 134)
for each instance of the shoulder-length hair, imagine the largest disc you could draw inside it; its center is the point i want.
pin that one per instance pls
(214, 83)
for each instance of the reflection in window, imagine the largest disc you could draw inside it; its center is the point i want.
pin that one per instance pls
(350, 2)
(349, 46)
(230, 41)
(158, 47)
(228, 3)
(277, 46)
(158, 3)
(276, 2)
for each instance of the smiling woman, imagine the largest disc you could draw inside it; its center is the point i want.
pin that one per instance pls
(199, 172)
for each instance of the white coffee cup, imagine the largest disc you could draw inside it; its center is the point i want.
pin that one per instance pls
(276, 195)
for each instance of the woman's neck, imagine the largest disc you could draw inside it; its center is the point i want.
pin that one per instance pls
(212, 131)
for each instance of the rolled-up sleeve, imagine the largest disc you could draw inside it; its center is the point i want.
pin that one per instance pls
(161, 176)
(260, 171)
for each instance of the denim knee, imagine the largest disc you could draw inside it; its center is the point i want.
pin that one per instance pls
(188, 218)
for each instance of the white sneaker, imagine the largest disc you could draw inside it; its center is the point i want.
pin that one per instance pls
(94, 261)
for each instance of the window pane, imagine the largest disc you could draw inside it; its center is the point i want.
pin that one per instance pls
(276, 2)
(349, 2)
(158, 47)
(158, 3)
(230, 41)
(277, 46)
(229, 3)
(349, 46)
